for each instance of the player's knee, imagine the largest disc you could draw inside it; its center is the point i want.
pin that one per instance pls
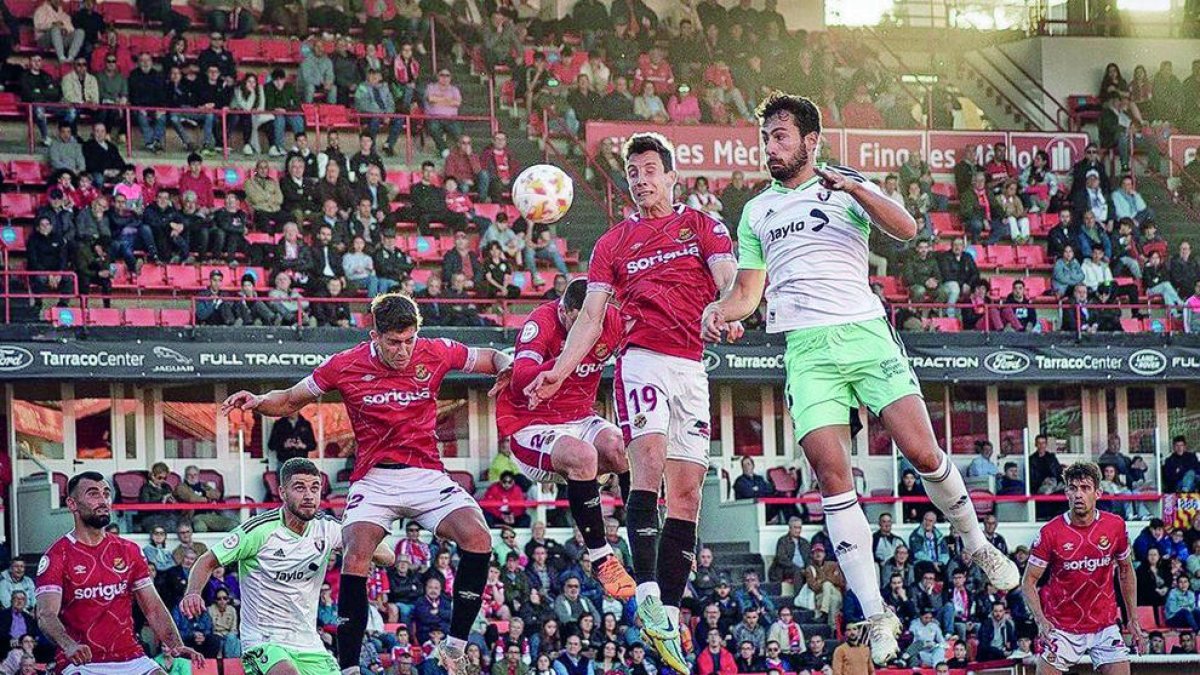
(476, 539)
(610, 452)
(576, 459)
(283, 668)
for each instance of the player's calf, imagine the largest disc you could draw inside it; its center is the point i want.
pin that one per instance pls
(610, 453)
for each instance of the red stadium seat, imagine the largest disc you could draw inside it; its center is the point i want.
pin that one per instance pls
(214, 477)
(28, 172)
(1001, 286)
(784, 481)
(464, 479)
(245, 49)
(1036, 287)
(816, 512)
(141, 316)
(982, 500)
(1003, 256)
(175, 318)
(281, 51)
(1032, 256)
(12, 237)
(129, 485)
(945, 324)
(65, 317)
(271, 482)
(1131, 325)
(183, 277)
(18, 204)
(946, 224)
(103, 316)
(168, 174)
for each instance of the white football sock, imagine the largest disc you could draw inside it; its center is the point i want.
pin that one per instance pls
(647, 589)
(947, 491)
(851, 537)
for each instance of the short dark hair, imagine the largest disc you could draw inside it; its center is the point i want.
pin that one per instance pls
(650, 142)
(195, 158)
(278, 74)
(804, 112)
(1179, 439)
(1010, 465)
(297, 466)
(298, 134)
(395, 312)
(426, 163)
(1082, 471)
(82, 476)
(575, 294)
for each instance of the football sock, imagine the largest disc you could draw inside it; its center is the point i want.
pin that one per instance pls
(469, 579)
(676, 552)
(584, 497)
(947, 491)
(352, 610)
(851, 537)
(641, 520)
(624, 482)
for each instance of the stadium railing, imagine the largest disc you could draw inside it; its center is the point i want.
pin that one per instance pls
(1169, 324)
(319, 118)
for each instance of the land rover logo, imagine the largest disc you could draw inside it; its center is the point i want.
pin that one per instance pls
(1147, 362)
(711, 361)
(14, 358)
(1006, 362)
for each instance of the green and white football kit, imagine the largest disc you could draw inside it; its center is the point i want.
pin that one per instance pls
(841, 350)
(281, 573)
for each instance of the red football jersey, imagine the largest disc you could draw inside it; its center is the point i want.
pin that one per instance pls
(658, 271)
(393, 412)
(1079, 596)
(541, 341)
(97, 585)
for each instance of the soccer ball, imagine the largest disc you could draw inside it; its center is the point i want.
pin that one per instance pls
(543, 193)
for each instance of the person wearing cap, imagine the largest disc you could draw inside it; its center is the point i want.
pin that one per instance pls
(442, 101)
(404, 586)
(824, 578)
(211, 308)
(1088, 163)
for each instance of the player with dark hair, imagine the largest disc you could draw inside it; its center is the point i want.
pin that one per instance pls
(389, 385)
(808, 232)
(86, 584)
(1076, 608)
(282, 556)
(661, 266)
(564, 440)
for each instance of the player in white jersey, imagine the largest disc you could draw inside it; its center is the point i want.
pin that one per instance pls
(282, 556)
(808, 233)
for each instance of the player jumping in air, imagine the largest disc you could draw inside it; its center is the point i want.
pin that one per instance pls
(564, 438)
(1076, 610)
(808, 233)
(282, 556)
(86, 585)
(662, 266)
(389, 385)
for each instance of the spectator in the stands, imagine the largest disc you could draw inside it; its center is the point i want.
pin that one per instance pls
(979, 208)
(54, 29)
(37, 86)
(79, 87)
(89, 19)
(1181, 607)
(297, 190)
(197, 633)
(498, 167)
(819, 657)
(373, 98)
(965, 169)
(147, 88)
(999, 169)
(1181, 469)
(192, 490)
(1061, 235)
(923, 277)
(957, 272)
(1156, 281)
(618, 104)
(983, 465)
(1183, 271)
(282, 100)
(442, 101)
(861, 112)
(1039, 183)
(287, 301)
(265, 198)
(1014, 212)
(292, 436)
(464, 165)
(508, 508)
(316, 72)
(792, 553)
(649, 106)
(198, 181)
(462, 260)
(336, 314)
(1093, 199)
(102, 157)
(927, 543)
(249, 97)
(325, 261)
(375, 190)
(211, 308)
(65, 152)
(15, 580)
(218, 55)
(224, 618)
(1022, 309)
(17, 625)
(702, 199)
(684, 106)
(714, 658)
(557, 288)
(751, 485)
(1067, 273)
(1078, 315)
(1079, 172)
(824, 578)
(213, 93)
(1128, 203)
(187, 546)
(1010, 482)
(1096, 270)
(46, 251)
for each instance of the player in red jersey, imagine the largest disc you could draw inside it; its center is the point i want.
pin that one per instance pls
(661, 266)
(1076, 610)
(389, 385)
(565, 439)
(86, 585)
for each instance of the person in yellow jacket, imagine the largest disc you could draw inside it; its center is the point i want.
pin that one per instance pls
(852, 657)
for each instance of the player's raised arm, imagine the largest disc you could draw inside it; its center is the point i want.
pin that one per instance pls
(49, 603)
(192, 604)
(889, 215)
(275, 403)
(580, 339)
(163, 626)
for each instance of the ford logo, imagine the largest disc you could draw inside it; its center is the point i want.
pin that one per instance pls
(14, 358)
(1147, 362)
(711, 361)
(1006, 362)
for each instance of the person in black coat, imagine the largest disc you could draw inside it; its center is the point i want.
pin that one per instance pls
(325, 262)
(101, 157)
(433, 313)
(292, 436)
(148, 89)
(1000, 627)
(335, 314)
(427, 205)
(1061, 235)
(9, 617)
(1090, 162)
(461, 259)
(46, 251)
(298, 191)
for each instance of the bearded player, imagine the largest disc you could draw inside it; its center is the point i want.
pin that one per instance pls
(1076, 609)
(389, 385)
(86, 585)
(808, 233)
(661, 266)
(564, 439)
(282, 556)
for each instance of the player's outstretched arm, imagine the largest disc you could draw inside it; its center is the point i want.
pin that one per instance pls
(275, 403)
(48, 606)
(889, 215)
(1128, 580)
(583, 335)
(1029, 590)
(491, 362)
(737, 302)
(192, 604)
(163, 626)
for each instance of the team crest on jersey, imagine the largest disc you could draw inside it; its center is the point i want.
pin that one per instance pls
(823, 195)
(118, 564)
(231, 541)
(43, 565)
(685, 234)
(639, 421)
(530, 331)
(421, 373)
(601, 351)
(1104, 542)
